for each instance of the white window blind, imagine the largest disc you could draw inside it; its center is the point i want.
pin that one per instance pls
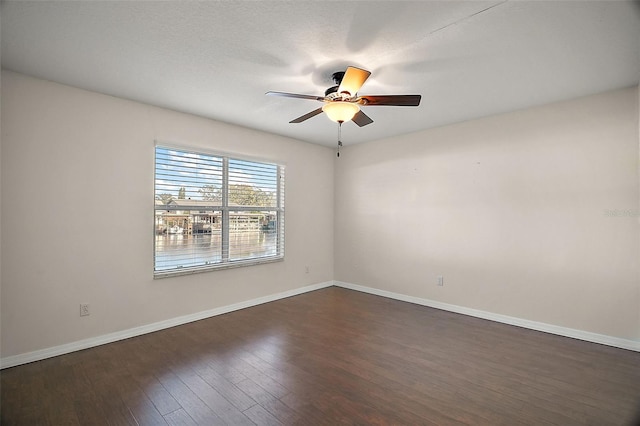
(213, 211)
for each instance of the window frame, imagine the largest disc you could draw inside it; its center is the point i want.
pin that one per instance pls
(226, 262)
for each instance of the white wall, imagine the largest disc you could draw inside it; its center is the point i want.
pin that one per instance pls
(77, 195)
(509, 209)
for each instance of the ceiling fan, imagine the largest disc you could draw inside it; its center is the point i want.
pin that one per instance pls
(342, 103)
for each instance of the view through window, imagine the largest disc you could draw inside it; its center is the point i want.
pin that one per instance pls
(213, 211)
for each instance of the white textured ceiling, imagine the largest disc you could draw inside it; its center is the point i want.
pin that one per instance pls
(218, 58)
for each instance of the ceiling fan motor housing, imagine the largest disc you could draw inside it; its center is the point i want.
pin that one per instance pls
(331, 90)
(337, 79)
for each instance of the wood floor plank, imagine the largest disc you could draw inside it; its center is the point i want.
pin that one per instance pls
(164, 402)
(179, 418)
(189, 401)
(230, 391)
(260, 416)
(305, 411)
(255, 391)
(225, 370)
(143, 410)
(282, 412)
(332, 356)
(263, 380)
(213, 399)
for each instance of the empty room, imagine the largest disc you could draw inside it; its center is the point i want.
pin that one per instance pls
(320, 213)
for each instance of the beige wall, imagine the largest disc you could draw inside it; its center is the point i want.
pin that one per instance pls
(77, 197)
(0, 218)
(510, 209)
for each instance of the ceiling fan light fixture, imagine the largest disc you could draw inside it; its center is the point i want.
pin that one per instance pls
(340, 111)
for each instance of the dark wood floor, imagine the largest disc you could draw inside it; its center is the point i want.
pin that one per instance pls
(333, 356)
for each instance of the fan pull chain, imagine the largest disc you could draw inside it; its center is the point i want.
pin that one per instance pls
(339, 137)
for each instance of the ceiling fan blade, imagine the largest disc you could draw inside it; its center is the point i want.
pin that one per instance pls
(391, 100)
(353, 80)
(361, 119)
(307, 116)
(295, 95)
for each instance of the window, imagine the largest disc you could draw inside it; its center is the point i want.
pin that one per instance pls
(213, 211)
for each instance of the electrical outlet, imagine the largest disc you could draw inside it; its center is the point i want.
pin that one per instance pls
(84, 309)
(440, 280)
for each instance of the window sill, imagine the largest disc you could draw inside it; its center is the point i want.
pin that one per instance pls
(219, 266)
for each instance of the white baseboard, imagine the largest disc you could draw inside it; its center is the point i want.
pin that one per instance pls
(617, 342)
(38, 355)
